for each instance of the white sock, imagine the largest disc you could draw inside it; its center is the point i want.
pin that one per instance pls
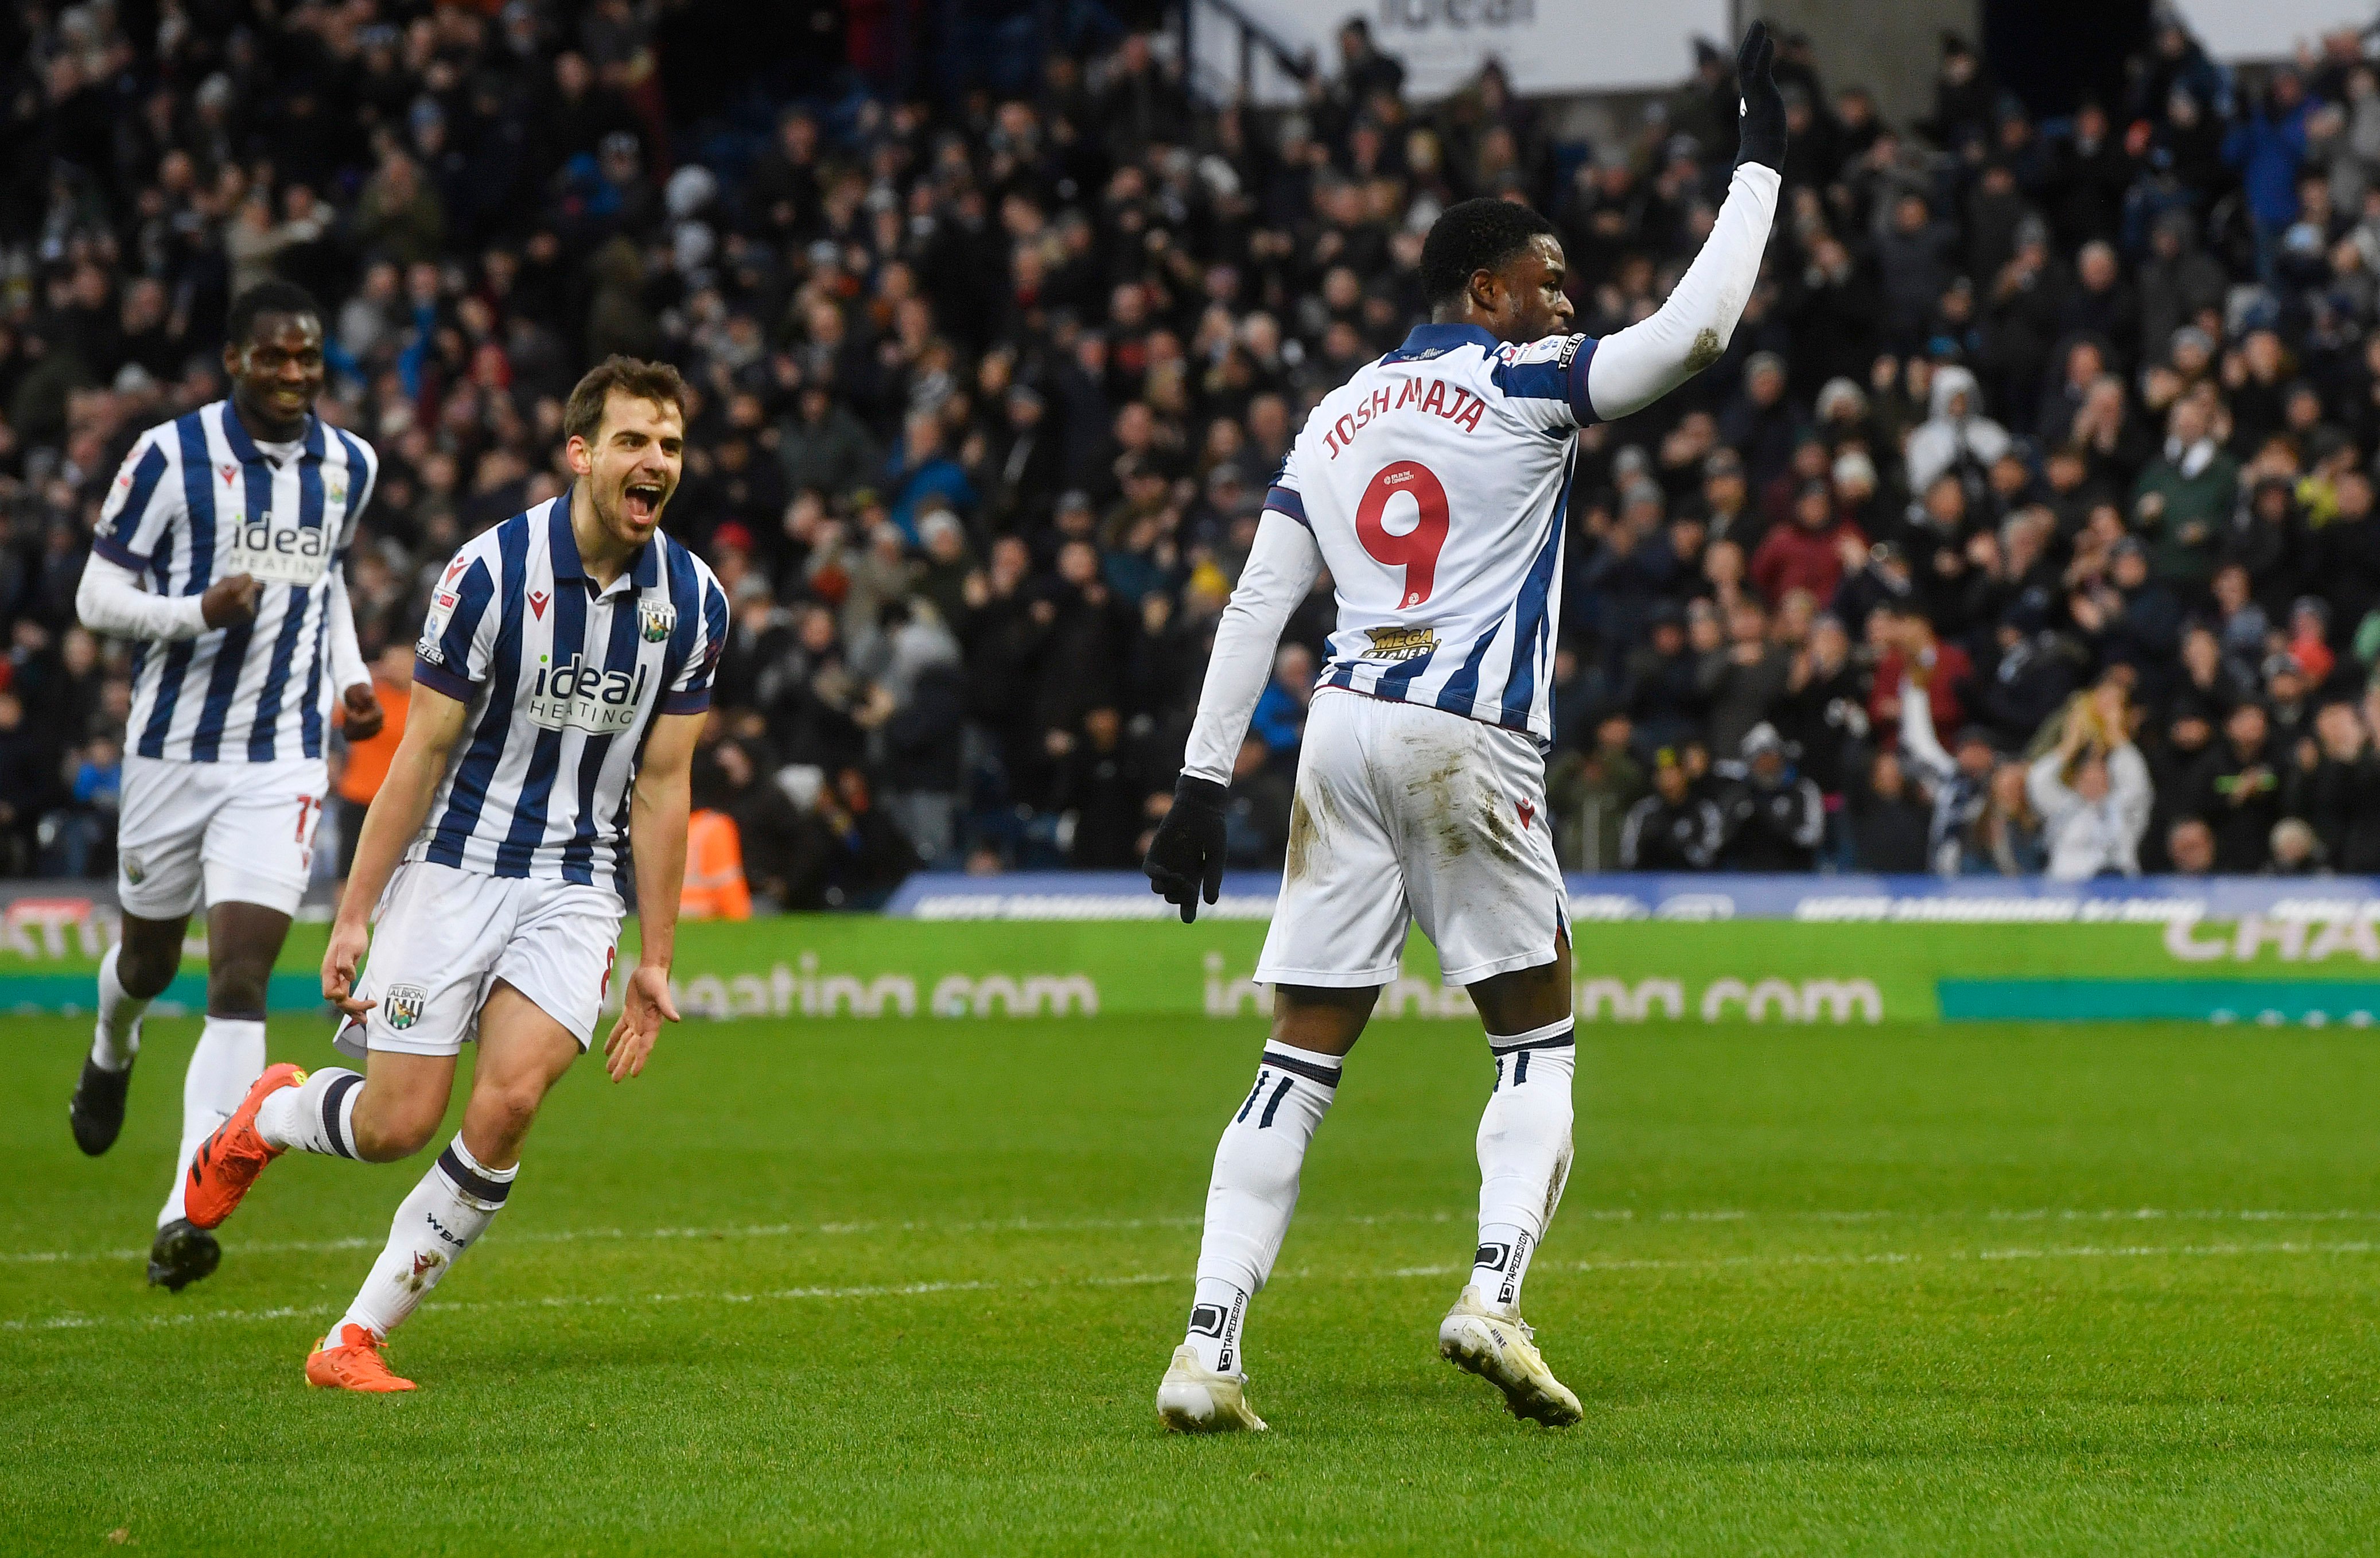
(449, 1210)
(229, 1059)
(317, 1115)
(1501, 1261)
(1525, 1150)
(1255, 1189)
(1215, 1316)
(118, 1038)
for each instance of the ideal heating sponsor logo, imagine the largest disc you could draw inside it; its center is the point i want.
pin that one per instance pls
(577, 695)
(276, 551)
(1601, 1000)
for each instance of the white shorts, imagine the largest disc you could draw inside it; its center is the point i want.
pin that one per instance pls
(443, 937)
(216, 832)
(1407, 813)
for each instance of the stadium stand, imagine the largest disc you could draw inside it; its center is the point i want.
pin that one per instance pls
(2027, 525)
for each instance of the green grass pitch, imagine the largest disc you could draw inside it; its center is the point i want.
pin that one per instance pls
(908, 1286)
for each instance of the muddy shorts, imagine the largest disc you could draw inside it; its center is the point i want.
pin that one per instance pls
(1407, 814)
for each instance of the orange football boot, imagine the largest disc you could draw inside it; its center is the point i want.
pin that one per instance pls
(228, 1161)
(354, 1365)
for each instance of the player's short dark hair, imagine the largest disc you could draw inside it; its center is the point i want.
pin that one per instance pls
(1473, 236)
(282, 297)
(656, 382)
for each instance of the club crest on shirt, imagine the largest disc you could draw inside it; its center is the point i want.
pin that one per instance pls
(1399, 644)
(658, 618)
(402, 1006)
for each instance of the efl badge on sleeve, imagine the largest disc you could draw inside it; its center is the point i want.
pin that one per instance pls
(402, 1006)
(658, 618)
(135, 871)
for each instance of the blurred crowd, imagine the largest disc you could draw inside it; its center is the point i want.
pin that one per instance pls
(2027, 526)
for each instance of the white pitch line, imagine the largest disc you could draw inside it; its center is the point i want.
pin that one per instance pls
(1085, 1225)
(76, 1321)
(596, 1300)
(753, 1231)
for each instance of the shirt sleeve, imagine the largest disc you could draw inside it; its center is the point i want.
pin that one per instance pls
(1545, 381)
(1281, 568)
(690, 694)
(1917, 738)
(1636, 367)
(1286, 496)
(348, 667)
(2048, 792)
(110, 601)
(363, 466)
(458, 637)
(141, 506)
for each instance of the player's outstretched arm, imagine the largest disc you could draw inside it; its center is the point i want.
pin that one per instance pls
(657, 815)
(1185, 859)
(1638, 366)
(434, 723)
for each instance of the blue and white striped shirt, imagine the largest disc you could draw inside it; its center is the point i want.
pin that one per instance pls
(562, 679)
(1437, 485)
(198, 501)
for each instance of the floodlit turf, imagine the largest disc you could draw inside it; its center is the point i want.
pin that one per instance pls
(906, 1287)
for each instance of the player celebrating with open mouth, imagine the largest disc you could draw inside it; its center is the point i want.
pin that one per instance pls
(1435, 486)
(221, 549)
(560, 681)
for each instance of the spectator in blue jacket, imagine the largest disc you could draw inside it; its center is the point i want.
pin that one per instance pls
(2267, 145)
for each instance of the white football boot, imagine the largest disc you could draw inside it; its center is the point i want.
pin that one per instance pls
(1195, 1399)
(1498, 1346)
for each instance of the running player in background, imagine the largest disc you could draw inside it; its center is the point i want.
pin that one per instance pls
(1435, 486)
(559, 684)
(222, 550)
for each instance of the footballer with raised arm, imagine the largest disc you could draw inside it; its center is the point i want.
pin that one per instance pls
(561, 678)
(1435, 486)
(221, 551)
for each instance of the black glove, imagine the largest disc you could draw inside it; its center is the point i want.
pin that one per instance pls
(1188, 853)
(1760, 133)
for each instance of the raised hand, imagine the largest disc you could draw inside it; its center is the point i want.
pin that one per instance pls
(1761, 130)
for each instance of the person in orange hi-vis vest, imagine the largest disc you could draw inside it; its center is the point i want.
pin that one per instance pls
(367, 762)
(714, 870)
